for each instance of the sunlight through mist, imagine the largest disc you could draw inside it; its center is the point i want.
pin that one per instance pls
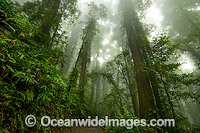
(187, 64)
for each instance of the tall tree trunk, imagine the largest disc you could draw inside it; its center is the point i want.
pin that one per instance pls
(83, 56)
(148, 57)
(104, 88)
(146, 100)
(156, 93)
(73, 40)
(118, 84)
(131, 85)
(92, 91)
(97, 78)
(116, 89)
(82, 80)
(46, 26)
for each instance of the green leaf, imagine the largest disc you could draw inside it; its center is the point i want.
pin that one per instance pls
(11, 69)
(22, 94)
(8, 25)
(2, 60)
(29, 95)
(40, 95)
(7, 96)
(6, 103)
(12, 60)
(4, 68)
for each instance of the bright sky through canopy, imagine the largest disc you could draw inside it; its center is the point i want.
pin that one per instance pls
(187, 64)
(101, 60)
(154, 16)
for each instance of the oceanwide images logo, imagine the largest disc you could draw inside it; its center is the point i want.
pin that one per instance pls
(46, 121)
(30, 120)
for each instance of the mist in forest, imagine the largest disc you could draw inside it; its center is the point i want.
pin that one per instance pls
(117, 58)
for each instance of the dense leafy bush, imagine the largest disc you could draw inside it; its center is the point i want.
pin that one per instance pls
(30, 83)
(130, 128)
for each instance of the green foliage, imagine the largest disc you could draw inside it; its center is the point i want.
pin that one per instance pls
(38, 11)
(183, 17)
(127, 116)
(173, 86)
(73, 78)
(46, 17)
(119, 95)
(12, 24)
(163, 50)
(30, 83)
(96, 12)
(142, 6)
(91, 29)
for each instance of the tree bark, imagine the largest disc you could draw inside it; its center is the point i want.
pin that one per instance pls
(97, 79)
(82, 80)
(92, 91)
(146, 100)
(84, 57)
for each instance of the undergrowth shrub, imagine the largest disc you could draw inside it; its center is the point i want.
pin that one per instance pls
(29, 80)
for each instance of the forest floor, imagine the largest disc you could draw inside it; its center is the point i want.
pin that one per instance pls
(86, 130)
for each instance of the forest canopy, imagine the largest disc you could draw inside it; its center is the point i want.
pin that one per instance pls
(125, 59)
